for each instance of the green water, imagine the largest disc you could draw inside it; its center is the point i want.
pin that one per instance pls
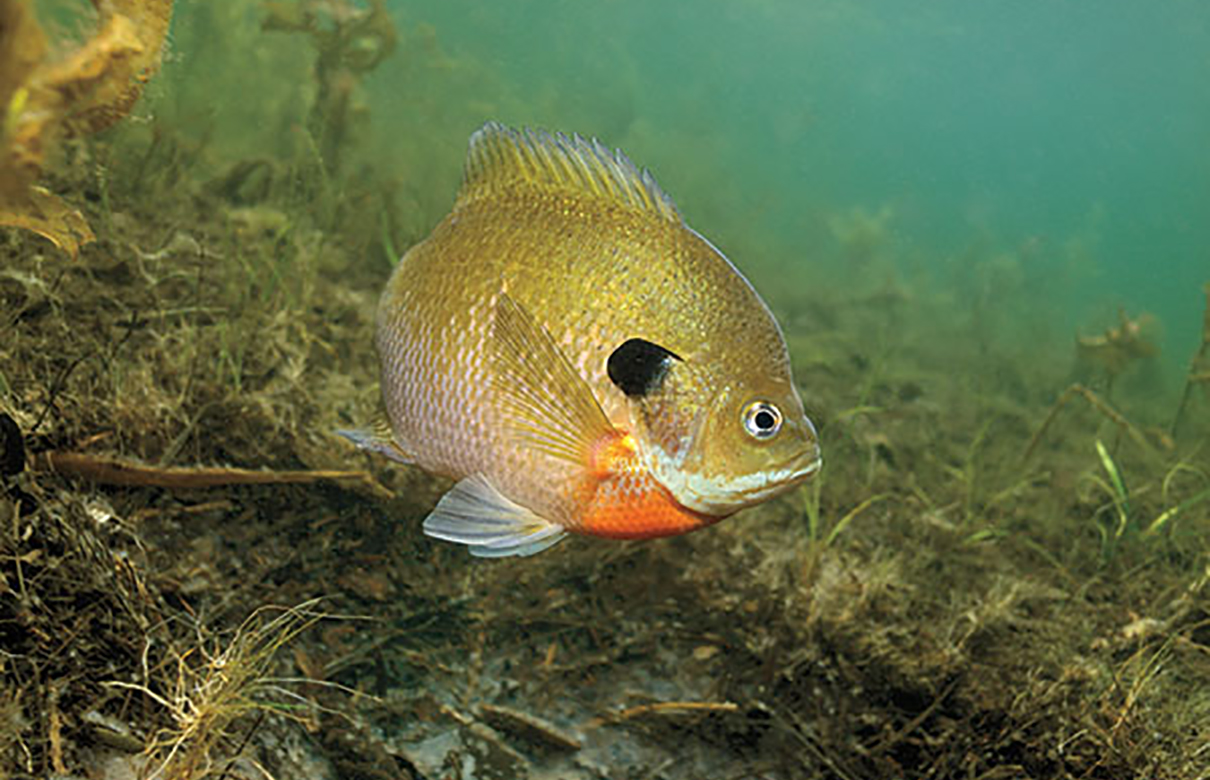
(1069, 135)
(1010, 124)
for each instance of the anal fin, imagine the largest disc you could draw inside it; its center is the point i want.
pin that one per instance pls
(474, 513)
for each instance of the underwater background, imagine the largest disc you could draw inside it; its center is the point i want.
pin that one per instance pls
(982, 226)
(1071, 132)
(1067, 136)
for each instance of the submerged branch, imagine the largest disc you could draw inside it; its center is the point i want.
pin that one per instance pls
(112, 471)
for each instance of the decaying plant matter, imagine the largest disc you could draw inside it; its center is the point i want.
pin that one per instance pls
(217, 683)
(44, 99)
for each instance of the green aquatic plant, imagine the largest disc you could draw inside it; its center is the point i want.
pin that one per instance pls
(1120, 493)
(811, 494)
(1113, 485)
(1175, 510)
(968, 474)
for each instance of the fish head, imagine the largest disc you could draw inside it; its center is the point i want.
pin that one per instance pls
(720, 448)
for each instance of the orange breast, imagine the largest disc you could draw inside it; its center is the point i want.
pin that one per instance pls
(623, 501)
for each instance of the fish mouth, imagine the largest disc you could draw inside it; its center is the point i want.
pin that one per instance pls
(719, 498)
(780, 479)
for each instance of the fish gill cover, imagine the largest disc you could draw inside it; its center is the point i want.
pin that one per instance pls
(980, 226)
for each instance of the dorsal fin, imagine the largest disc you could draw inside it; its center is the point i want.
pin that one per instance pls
(500, 156)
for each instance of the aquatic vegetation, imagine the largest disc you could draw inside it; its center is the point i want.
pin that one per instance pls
(1101, 406)
(1118, 348)
(350, 41)
(1199, 368)
(45, 99)
(863, 235)
(219, 682)
(1172, 513)
(817, 533)
(330, 177)
(1113, 531)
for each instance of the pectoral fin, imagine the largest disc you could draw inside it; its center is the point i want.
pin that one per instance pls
(474, 513)
(548, 404)
(378, 438)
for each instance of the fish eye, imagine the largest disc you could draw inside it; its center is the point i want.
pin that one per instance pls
(761, 420)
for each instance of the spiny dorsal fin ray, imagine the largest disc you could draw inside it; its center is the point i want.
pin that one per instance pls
(500, 156)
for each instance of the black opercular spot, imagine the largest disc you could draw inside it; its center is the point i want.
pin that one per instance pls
(638, 367)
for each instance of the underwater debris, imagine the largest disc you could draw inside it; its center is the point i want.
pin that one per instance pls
(1118, 347)
(528, 727)
(671, 708)
(76, 608)
(43, 101)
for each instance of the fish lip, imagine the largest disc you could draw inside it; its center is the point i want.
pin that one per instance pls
(810, 470)
(793, 473)
(802, 466)
(793, 476)
(705, 495)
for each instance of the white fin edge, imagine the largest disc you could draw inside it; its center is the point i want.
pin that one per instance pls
(474, 513)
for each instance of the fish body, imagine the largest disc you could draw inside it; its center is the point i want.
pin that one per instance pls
(581, 360)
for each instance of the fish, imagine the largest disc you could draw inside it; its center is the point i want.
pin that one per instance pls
(578, 359)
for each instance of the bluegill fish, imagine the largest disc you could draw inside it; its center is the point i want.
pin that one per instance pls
(580, 359)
